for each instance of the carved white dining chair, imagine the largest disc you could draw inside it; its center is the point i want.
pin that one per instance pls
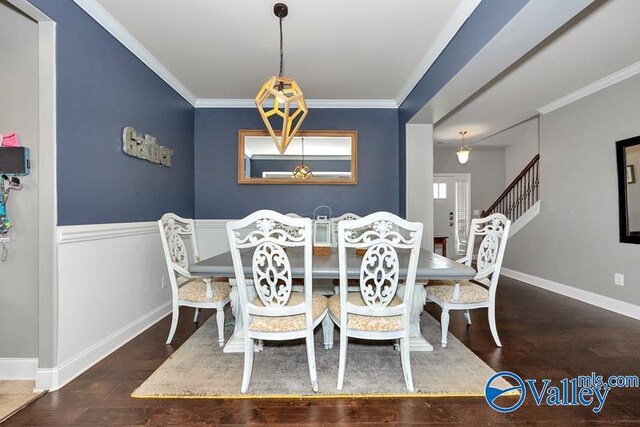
(334, 224)
(188, 290)
(353, 283)
(479, 292)
(376, 312)
(261, 245)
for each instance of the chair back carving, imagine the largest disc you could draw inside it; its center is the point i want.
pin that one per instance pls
(383, 235)
(494, 231)
(174, 230)
(263, 237)
(334, 225)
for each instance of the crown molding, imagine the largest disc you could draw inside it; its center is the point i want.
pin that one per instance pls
(311, 103)
(598, 85)
(109, 23)
(224, 103)
(459, 17)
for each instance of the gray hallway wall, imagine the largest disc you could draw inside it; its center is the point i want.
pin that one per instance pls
(574, 241)
(19, 114)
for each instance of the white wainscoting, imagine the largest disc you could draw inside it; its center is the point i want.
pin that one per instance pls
(601, 301)
(18, 368)
(110, 290)
(212, 236)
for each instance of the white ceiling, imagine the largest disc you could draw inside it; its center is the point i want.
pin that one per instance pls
(601, 43)
(356, 49)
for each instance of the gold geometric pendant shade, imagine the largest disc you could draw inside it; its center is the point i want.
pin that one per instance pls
(289, 109)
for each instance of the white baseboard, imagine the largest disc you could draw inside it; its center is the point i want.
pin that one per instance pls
(18, 368)
(601, 301)
(55, 378)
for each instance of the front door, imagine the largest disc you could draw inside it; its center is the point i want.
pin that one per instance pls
(444, 206)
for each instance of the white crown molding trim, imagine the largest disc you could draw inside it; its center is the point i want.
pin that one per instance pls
(311, 103)
(30, 10)
(89, 232)
(212, 223)
(109, 23)
(56, 378)
(603, 83)
(459, 17)
(597, 300)
(18, 368)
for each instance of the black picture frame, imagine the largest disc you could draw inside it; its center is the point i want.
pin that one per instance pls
(623, 179)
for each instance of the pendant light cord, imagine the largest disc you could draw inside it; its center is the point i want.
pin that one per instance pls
(281, 50)
(303, 150)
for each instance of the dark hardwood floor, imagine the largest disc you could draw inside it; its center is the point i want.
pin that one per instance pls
(544, 336)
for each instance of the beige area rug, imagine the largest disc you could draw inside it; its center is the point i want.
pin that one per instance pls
(200, 369)
(15, 395)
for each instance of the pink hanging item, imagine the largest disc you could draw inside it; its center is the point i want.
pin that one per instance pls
(10, 140)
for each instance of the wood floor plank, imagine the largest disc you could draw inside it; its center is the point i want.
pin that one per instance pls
(544, 336)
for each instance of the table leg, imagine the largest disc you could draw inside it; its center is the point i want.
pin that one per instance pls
(236, 342)
(416, 341)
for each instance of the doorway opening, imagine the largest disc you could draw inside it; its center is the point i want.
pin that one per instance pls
(451, 212)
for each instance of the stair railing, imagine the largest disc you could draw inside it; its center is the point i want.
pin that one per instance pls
(521, 194)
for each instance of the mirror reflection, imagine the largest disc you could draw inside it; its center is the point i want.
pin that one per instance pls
(632, 156)
(628, 158)
(312, 157)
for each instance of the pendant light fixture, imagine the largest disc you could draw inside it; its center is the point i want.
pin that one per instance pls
(284, 117)
(302, 171)
(464, 150)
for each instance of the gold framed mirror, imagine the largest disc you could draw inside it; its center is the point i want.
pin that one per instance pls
(313, 157)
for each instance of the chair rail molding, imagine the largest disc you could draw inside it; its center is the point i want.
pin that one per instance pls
(611, 304)
(89, 232)
(120, 265)
(18, 368)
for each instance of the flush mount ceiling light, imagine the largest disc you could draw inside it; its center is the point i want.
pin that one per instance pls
(302, 171)
(464, 150)
(280, 101)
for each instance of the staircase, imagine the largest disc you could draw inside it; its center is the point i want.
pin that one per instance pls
(520, 202)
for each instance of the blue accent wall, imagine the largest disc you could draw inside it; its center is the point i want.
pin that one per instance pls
(101, 88)
(484, 23)
(218, 194)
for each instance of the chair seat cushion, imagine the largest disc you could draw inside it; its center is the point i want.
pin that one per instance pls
(366, 323)
(469, 292)
(288, 323)
(195, 290)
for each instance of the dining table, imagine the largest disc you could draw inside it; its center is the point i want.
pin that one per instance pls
(431, 266)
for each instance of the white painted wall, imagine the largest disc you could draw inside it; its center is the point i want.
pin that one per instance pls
(212, 237)
(19, 113)
(575, 239)
(419, 169)
(110, 278)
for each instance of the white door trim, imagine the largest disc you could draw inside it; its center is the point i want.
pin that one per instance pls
(467, 177)
(47, 194)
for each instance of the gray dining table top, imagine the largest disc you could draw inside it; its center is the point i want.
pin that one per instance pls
(430, 265)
